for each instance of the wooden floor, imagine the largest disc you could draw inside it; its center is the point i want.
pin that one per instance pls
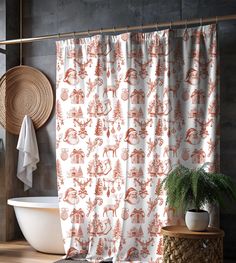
(21, 252)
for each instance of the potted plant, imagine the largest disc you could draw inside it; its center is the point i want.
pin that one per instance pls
(191, 189)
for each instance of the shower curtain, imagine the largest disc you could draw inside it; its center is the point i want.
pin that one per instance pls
(129, 108)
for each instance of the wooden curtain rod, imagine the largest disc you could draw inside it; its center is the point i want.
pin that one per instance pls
(121, 29)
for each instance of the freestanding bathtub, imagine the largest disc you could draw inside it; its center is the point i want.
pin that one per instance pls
(39, 220)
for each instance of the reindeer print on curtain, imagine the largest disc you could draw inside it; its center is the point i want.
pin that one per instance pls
(128, 108)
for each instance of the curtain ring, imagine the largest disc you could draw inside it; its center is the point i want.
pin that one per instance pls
(201, 21)
(114, 30)
(156, 26)
(88, 33)
(141, 28)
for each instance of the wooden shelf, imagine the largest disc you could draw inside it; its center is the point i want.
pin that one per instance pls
(183, 232)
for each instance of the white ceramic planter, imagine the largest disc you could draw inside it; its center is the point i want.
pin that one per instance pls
(197, 221)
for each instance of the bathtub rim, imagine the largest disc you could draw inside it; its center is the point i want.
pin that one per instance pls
(35, 202)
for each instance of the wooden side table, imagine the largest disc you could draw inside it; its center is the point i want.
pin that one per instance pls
(184, 246)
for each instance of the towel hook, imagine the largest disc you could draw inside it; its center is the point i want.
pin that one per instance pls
(1, 145)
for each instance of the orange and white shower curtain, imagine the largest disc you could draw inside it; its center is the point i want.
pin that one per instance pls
(129, 108)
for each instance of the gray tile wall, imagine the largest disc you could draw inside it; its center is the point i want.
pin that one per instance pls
(56, 16)
(9, 186)
(2, 131)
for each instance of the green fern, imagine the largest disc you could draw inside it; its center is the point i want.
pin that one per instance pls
(192, 188)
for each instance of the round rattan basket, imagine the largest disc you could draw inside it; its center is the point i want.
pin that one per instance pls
(24, 91)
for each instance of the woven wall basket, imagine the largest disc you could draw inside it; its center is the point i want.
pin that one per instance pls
(24, 91)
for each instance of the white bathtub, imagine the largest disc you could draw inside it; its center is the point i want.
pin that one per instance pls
(39, 220)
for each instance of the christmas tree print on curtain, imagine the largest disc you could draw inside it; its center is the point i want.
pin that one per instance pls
(129, 108)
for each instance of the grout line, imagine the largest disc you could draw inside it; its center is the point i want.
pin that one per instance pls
(181, 9)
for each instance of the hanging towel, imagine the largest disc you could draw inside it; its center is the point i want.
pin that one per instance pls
(28, 153)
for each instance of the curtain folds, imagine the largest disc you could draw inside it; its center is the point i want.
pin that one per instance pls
(129, 108)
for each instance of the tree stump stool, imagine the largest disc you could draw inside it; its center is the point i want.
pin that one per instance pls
(184, 246)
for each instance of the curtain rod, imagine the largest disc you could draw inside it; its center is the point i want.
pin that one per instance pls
(121, 29)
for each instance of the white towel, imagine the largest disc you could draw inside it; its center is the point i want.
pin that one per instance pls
(28, 153)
